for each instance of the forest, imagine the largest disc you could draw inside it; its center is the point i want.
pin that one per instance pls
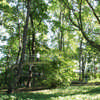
(49, 44)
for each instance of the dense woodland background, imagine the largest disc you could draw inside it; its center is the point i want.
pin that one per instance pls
(48, 43)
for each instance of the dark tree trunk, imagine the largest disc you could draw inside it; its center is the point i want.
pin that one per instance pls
(24, 39)
(7, 66)
(33, 46)
(80, 58)
(9, 89)
(61, 33)
(83, 67)
(8, 80)
(33, 39)
(29, 47)
(63, 44)
(24, 43)
(29, 82)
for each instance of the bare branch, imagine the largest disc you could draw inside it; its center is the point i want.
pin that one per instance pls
(73, 22)
(80, 17)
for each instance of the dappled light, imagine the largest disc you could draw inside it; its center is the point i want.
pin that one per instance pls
(50, 50)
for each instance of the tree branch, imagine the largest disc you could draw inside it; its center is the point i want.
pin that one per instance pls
(79, 26)
(80, 17)
(93, 11)
(92, 43)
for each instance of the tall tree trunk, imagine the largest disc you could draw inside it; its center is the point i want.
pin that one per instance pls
(29, 47)
(83, 66)
(33, 41)
(94, 68)
(80, 57)
(63, 44)
(29, 82)
(24, 43)
(60, 34)
(24, 38)
(9, 78)
(33, 46)
(20, 44)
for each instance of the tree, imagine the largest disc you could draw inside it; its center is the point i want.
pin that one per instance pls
(76, 9)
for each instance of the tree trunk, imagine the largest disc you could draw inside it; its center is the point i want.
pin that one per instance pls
(24, 38)
(8, 80)
(29, 47)
(20, 45)
(24, 43)
(80, 58)
(94, 69)
(29, 82)
(83, 67)
(33, 39)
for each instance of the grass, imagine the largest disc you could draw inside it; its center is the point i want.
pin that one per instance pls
(70, 93)
(94, 80)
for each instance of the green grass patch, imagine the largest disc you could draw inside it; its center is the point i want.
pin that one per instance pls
(70, 93)
(94, 80)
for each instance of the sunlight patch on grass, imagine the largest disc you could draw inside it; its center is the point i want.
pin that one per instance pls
(95, 80)
(77, 97)
(70, 93)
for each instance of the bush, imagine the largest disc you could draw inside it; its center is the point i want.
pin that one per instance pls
(60, 73)
(97, 75)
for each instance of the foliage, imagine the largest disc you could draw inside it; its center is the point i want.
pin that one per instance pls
(55, 29)
(60, 73)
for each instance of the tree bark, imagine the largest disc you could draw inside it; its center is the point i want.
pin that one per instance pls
(83, 67)
(33, 40)
(29, 82)
(29, 47)
(24, 43)
(80, 57)
(20, 45)
(24, 38)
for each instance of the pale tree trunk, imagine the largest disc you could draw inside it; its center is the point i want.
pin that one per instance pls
(94, 67)
(29, 82)
(83, 65)
(20, 44)
(60, 34)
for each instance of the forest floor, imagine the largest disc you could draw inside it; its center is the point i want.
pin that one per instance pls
(86, 92)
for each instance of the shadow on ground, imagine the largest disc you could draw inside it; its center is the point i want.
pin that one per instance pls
(34, 95)
(93, 91)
